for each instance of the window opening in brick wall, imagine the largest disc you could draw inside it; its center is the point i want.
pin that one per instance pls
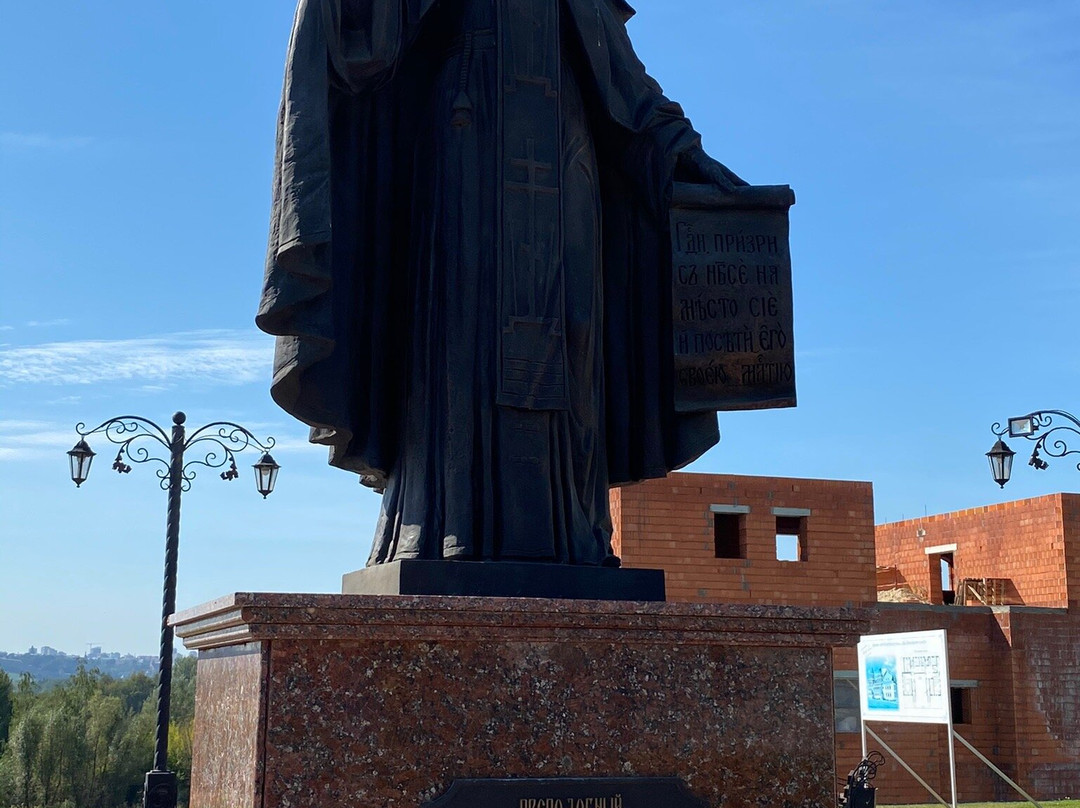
(729, 533)
(846, 701)
(960, 698)
(791, 538)
(942, 577)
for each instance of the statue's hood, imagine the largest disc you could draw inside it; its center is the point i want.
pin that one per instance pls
(623, 9)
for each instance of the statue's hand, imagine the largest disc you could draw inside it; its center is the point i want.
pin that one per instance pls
(696, 166)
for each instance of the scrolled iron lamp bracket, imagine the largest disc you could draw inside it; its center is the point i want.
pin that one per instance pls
(1050, 430)
(213, 446)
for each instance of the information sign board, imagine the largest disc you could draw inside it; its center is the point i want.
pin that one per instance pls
(905, 677)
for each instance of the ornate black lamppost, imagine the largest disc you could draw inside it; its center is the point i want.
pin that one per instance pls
(1049, 429)
(215, 445)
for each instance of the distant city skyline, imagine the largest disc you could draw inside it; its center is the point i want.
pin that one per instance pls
(44, 650)
(45, 663)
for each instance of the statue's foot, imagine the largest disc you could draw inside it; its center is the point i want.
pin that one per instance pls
(611, 561)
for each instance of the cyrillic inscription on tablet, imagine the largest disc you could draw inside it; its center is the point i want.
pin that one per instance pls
(732, 315)
(569, 792)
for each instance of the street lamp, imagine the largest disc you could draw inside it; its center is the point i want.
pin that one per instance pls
(1047, 428)
(1001, 460)
(216, 445)
(80, 457)
(266, 471)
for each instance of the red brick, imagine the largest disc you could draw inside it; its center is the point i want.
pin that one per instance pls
(1026, 707)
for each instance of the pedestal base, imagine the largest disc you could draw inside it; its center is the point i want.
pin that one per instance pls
(159, 789)
(326, 700)
(505, 579)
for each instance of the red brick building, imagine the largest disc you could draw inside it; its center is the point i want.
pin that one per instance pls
(715, 538)
(1003, 580)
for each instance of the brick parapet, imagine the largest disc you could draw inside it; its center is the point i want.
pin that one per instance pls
(1070, 519)
(1033, 543)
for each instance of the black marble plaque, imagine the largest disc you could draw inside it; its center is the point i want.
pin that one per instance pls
(732, 314)
(570, 792)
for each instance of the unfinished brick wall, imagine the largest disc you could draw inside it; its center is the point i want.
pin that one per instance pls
(1024, 708)
(1046, 680)
(1023, 662)
(1070, 523)
(1032, 542)
(978, 653)
(668, 524)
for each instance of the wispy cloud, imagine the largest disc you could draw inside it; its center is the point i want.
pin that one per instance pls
(52, 438)
(48, 323)
(16, 425)
(43, 141)
(7, 328)
(208, 357)
(294, 444)
(26, 440)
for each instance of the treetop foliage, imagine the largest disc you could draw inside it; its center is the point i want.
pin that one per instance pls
(87, 742)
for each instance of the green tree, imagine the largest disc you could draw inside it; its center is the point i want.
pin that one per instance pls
(26, 692)
(7, 707)
(136, 753)
(88, 741)
(133, 690)
(60, 752)
(7, 781)
(23, 751)
(16, 781)
(104, 722)
(182, 723)
(182, 703)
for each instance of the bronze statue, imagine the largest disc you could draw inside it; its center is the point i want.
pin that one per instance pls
(469, 268)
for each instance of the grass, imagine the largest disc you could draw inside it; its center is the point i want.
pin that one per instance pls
(1017, 804)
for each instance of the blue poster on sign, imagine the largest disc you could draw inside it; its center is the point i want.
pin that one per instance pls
(882, 693)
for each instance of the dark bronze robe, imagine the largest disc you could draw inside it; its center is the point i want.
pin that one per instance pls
(468, 268)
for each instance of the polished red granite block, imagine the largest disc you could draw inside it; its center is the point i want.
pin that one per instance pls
(384, 701)
(230, 701)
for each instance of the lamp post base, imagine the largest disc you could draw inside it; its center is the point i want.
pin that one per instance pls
(159, 790)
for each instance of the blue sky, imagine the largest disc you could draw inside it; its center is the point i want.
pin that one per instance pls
(934, 148)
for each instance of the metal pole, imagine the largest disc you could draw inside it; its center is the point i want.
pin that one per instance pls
(952, 746)
(952, 759)
(998, 771)
(160, 787)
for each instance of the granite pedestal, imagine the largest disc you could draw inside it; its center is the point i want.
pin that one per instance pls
(365, 701)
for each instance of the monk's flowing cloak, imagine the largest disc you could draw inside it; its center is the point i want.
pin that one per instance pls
(379, 322)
